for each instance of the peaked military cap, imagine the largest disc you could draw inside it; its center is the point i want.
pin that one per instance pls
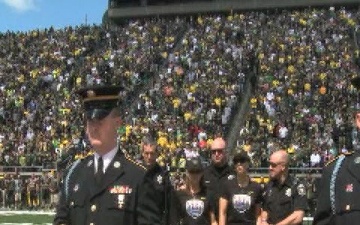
(99, 101)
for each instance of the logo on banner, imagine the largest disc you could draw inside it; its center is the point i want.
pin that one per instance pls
(194, 208)
(241, 202)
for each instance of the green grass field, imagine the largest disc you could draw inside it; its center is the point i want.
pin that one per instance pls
(25, 217)
(46, 218)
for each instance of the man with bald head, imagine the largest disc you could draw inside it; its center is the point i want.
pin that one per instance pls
(285, 199)
(279, 172)
(218, 171)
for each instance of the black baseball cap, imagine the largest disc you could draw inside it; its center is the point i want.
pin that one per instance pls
(241, 157)
(99, 101)
(194, 165)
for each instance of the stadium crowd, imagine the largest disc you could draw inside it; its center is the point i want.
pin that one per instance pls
(305, 100)
(186, 77)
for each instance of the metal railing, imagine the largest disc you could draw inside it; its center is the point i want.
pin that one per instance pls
(298, 171)
(25, 170)
(254, 171)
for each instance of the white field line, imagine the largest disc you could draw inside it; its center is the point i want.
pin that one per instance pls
(25, 212)
(22, 224)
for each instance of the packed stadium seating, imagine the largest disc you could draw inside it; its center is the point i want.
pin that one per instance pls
(187, 76)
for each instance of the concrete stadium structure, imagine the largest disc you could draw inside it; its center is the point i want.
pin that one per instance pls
(218, 6)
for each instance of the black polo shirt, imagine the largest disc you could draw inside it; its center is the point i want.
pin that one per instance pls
(213, 177)
(187, 209)
(159, 178)
(241, 201)
(280, 200)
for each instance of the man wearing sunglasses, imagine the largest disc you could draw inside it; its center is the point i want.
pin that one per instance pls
(285, 200)
(216, 173)
(107, 187)
(339, 190)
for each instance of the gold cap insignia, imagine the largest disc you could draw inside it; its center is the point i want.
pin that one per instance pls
(90, 94)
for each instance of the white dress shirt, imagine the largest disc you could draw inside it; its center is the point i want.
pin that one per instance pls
(107, 158)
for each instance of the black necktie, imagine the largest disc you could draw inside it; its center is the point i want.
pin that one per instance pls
(100, 172)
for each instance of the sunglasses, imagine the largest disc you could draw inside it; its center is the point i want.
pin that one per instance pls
(219, 151)
(273, 164)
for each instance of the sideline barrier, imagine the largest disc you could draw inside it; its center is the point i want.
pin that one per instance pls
(307, 220)
(254, 172)
(25, 212)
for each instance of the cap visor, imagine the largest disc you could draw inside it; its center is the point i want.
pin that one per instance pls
(97, 114)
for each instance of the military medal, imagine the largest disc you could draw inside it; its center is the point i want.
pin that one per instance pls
(121, 200)
(120, 189)
(349, 188)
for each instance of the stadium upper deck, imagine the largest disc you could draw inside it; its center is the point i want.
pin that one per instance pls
(143, 8)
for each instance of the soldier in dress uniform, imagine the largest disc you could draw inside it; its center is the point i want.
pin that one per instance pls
(107, 187)
(285, 200)
(339, 190)
(158, 176)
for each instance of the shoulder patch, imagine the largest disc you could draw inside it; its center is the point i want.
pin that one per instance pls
(85, 156)
(348, 153)
(128, 158)
(90, 154)
(331, 161)
(334, 159)
(70, 163)
(88, 160)
(231, 177)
